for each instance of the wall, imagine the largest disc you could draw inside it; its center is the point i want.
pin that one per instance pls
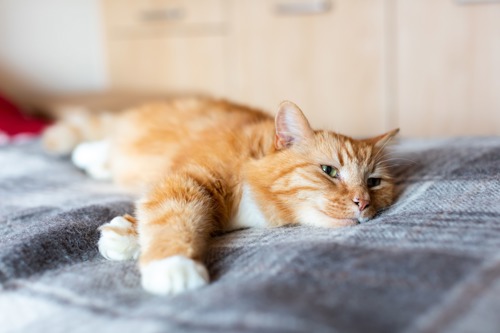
(51, 47)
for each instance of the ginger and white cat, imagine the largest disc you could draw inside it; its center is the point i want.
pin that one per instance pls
(203, 165)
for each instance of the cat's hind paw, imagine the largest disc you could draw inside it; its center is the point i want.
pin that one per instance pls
(92, 157)
(173, 275)
(118, 240)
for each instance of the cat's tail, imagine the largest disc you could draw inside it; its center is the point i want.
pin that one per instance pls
(74, 126)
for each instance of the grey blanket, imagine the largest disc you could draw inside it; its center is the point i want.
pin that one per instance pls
(430, 263)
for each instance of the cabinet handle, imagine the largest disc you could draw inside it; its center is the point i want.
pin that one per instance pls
(303, 7)
(165, 14)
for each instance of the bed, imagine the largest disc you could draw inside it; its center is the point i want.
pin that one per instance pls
(429, 263)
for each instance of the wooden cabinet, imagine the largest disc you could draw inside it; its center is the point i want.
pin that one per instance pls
(169, 46)
(447, 72)
(431, 67)
(327, 56)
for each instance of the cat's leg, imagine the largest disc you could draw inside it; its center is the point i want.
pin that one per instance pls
(175, 223)
(93, 157)
(119, 240)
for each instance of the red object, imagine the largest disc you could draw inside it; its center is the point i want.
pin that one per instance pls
(13, 122)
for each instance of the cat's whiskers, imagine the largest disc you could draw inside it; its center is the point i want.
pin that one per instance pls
(381, 150)
(397, 159)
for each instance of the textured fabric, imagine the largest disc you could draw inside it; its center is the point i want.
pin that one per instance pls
(430, 263)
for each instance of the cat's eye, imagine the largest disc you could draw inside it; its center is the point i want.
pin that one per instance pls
(372, 182)
(330, 171)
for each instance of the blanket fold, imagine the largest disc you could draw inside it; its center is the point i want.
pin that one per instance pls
(429, 263)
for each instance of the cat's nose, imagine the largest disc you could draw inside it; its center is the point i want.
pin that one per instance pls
(361, 203)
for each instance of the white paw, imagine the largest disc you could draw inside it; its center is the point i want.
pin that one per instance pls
(121, 244)
(93, 158)
(99, 172)
(173, 275)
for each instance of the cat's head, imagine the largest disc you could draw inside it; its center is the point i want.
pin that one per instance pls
(322, 178)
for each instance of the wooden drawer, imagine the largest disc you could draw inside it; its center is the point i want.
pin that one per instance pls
(164, 17)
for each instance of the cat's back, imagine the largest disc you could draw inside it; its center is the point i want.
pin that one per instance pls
(148, 138)
(186, 116)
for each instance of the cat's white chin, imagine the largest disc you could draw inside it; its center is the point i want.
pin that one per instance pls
(363, 219)
(334, 223)
(173, 275)
(315, 217)
(343, 222)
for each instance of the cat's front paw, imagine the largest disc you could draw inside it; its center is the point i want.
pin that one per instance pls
(118, 240)
(173, 275)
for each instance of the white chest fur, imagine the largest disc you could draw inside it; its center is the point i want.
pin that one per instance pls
(249, 214)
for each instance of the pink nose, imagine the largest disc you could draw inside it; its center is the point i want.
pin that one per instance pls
(361, 203)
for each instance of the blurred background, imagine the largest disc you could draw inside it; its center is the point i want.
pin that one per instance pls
(431, 67)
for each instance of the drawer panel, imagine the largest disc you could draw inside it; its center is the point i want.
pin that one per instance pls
(153, 17)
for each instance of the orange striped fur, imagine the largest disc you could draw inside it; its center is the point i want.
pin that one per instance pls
(193, 157)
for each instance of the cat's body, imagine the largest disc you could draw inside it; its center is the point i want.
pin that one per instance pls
(210, 165)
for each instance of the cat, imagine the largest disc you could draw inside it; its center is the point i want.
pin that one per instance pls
(204, 165)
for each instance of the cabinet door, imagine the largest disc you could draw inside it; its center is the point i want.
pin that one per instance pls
(326, 56)
(448, 68)
(171, 65)
(169, 46)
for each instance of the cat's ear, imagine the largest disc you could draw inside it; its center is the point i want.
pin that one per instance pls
(382, 140)
(291, 126)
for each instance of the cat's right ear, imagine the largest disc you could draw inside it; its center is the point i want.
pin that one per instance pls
(291, 126)
(382, 140)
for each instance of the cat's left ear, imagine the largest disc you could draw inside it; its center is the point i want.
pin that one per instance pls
(382, 140)
(291, 126)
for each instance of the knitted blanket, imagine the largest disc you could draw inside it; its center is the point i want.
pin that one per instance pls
(429, 263)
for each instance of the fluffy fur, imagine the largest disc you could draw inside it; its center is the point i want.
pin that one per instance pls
(207, 165)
